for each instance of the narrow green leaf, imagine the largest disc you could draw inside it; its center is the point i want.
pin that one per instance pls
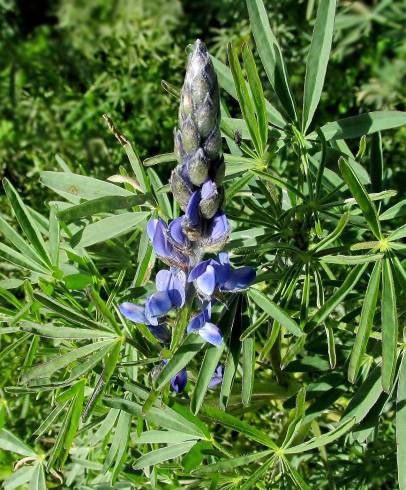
(19, 243)
(225, 79)
(271, 55)
(257, 475)
(398, 234)
(67, 312)
(278, 182)
(365, 324)
(401, 424)
(336, 298)
(54, 237)
(158, 159)
(248, 368)
(10, 255)
(257, 93)
(79, 186)
(105, 204)
(324, 439)
(331, 237)
(108, 228)
(26, 222)
(363, 124)
(162, 198)
(10, 442)
(238, 425)
(275, 312)
(360, 194)
(186, 352)
(164, 437)
(389, 325)
(376, 163)
(230, 464)
(316, 65)
(350, 259)
(46, 369)
(246, 104)
(396, 211)
(38, 478)
(56, 332)
(159, 455)
(212, 357)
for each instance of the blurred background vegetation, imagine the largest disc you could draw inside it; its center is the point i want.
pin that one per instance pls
(63, 64)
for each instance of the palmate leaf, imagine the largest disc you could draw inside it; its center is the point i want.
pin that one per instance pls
(316, 65)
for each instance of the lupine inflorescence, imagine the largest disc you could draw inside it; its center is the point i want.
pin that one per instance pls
(196, 184)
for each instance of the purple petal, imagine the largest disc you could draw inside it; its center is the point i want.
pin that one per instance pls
(224, 258)
(192, 210)
(176, 233)
(160, 332)
(208, 189)
(133, 312)
(157, 305)
(206, 283)
(163, 280)
(156, 230)
(179, 381)
(239, 279)
(211, 333)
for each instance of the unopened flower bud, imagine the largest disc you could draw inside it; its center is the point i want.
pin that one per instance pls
(181, 186)
(198, 168)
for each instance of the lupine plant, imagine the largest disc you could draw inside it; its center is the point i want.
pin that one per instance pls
(271, 349)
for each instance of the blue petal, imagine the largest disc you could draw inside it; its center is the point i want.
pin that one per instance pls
(206, 283)
(156, 229)
(173, 282)
(133, 312)
(198, 270)
(219, 227)
(217, 377)
(178, 292)
(208, 189)
(179, 381)
(239, 279)
(157, 305)
(160, 332)
(176, 232)
(224, 258)
(192, 210)
(211, 333)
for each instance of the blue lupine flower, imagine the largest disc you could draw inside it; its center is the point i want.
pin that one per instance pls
(163, 247)
(136, 313)
(211, 274)
(217, 377)
(178, 382)
(201, 325)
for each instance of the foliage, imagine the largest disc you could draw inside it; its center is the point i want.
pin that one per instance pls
(313, 387)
